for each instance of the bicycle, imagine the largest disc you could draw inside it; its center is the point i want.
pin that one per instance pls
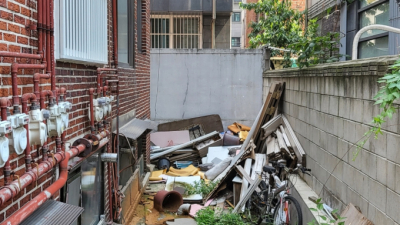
(271, 202)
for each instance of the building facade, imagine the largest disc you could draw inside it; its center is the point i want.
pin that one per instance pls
(349, 17)
(190, 24)
(55, 51)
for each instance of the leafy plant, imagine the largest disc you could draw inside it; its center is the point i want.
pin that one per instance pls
(325, 219)
(384, 98)
(279, 25)
(202, 187)
(207, 216)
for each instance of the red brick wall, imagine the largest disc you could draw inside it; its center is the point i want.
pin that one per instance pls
(299, 5)
(15, 35)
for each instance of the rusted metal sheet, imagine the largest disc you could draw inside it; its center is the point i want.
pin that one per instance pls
(208, 124)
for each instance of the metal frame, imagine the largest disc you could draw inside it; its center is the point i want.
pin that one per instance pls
(172, 24)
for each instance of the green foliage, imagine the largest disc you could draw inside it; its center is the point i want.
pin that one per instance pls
(279, 25)
(325, 220)
(384, 98)
(201, 187)
(207, 216)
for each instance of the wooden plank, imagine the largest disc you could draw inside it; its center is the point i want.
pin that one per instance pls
(240, 206)
(270, 145)
(243, 172)
(354, 217)
(258, 165)
(282, 145)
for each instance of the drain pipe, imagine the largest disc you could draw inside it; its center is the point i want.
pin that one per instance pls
(370, 27)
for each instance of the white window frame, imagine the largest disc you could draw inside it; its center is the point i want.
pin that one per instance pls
(88, 41)
(171, 33)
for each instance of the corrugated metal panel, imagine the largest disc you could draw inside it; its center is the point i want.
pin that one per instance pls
(394, 39)
(53, 212)
(137, 127)
(320, 7)
(83, 31)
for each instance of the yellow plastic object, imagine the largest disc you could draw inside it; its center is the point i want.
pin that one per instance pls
(201, 174)
(188, 171)
(243, 135)
(155, 175)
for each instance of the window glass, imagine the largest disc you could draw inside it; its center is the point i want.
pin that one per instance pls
(235, 42)
(374, 48)
(123, 31)
(236, 17)
(376, 15)
(364, 3)
(160, 33)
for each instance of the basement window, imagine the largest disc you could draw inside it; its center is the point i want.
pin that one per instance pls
(126, 32)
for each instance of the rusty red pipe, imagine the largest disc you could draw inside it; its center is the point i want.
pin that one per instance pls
(43, 95)
(91, 92)
(14, 79)
(36, 82)
(7, 168)
(25, 99)
(52, 61)
(40, 28)
(105, 88)
(20, 55)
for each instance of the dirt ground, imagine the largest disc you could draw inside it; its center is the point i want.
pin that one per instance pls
(145, 214)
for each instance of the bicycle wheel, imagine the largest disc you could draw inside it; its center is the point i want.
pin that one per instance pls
(290, 212)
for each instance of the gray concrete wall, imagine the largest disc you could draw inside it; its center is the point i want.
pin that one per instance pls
(192, 83)
(330, 108)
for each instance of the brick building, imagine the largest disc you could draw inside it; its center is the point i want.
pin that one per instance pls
(76, 38)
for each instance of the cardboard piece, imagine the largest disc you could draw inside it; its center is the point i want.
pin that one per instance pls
(169, 138)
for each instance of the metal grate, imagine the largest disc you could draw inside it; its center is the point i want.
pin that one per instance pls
(54, 212)
(83, 30)
(176, 31)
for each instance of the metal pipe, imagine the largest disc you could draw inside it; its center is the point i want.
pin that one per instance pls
(52, 59)
(40, 27)
(43, 95)
(115, 30)
(36, 82)
(14, 80)
(44, 38)
(31, 176)
(48, 48)
(20, 55)
(25, 98)
(91, 91)
(63, 92)
(370, 27)
(4, 103)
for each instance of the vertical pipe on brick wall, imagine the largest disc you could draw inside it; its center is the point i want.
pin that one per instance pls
(48, 48)
(44, 21)
(115, 30)
(25, 98)
(40, 27)
(91, 92)
(53, 66)
(7, 168)
(43, 95)
(36, 82)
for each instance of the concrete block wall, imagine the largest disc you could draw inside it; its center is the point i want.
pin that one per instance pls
(330, 108)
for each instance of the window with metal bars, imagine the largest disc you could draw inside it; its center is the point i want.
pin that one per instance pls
(236, 42)
(176, 31)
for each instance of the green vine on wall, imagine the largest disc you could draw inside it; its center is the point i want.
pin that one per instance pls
(385, 99)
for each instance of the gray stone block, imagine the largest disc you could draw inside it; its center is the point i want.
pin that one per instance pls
(393, 144)
(368, 109)
(397, 181)
(338, 127)
(362, 182)
(356, 199)
(366, 88)
(379, 145)
(343, 150)
(332, 144)
(378, 217)
(344, 108)
(329, 124)
(356, 110)
(349, 131)
(393, 205)
(317, 101)
(381, 169)
(350, 173)
(340, 83)
(334, 105)
(325, 103)
(321, 85)
(378, 194)
(303, 98)
(391, 175)
(355, 160)
(369, 164)
(358, 87)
